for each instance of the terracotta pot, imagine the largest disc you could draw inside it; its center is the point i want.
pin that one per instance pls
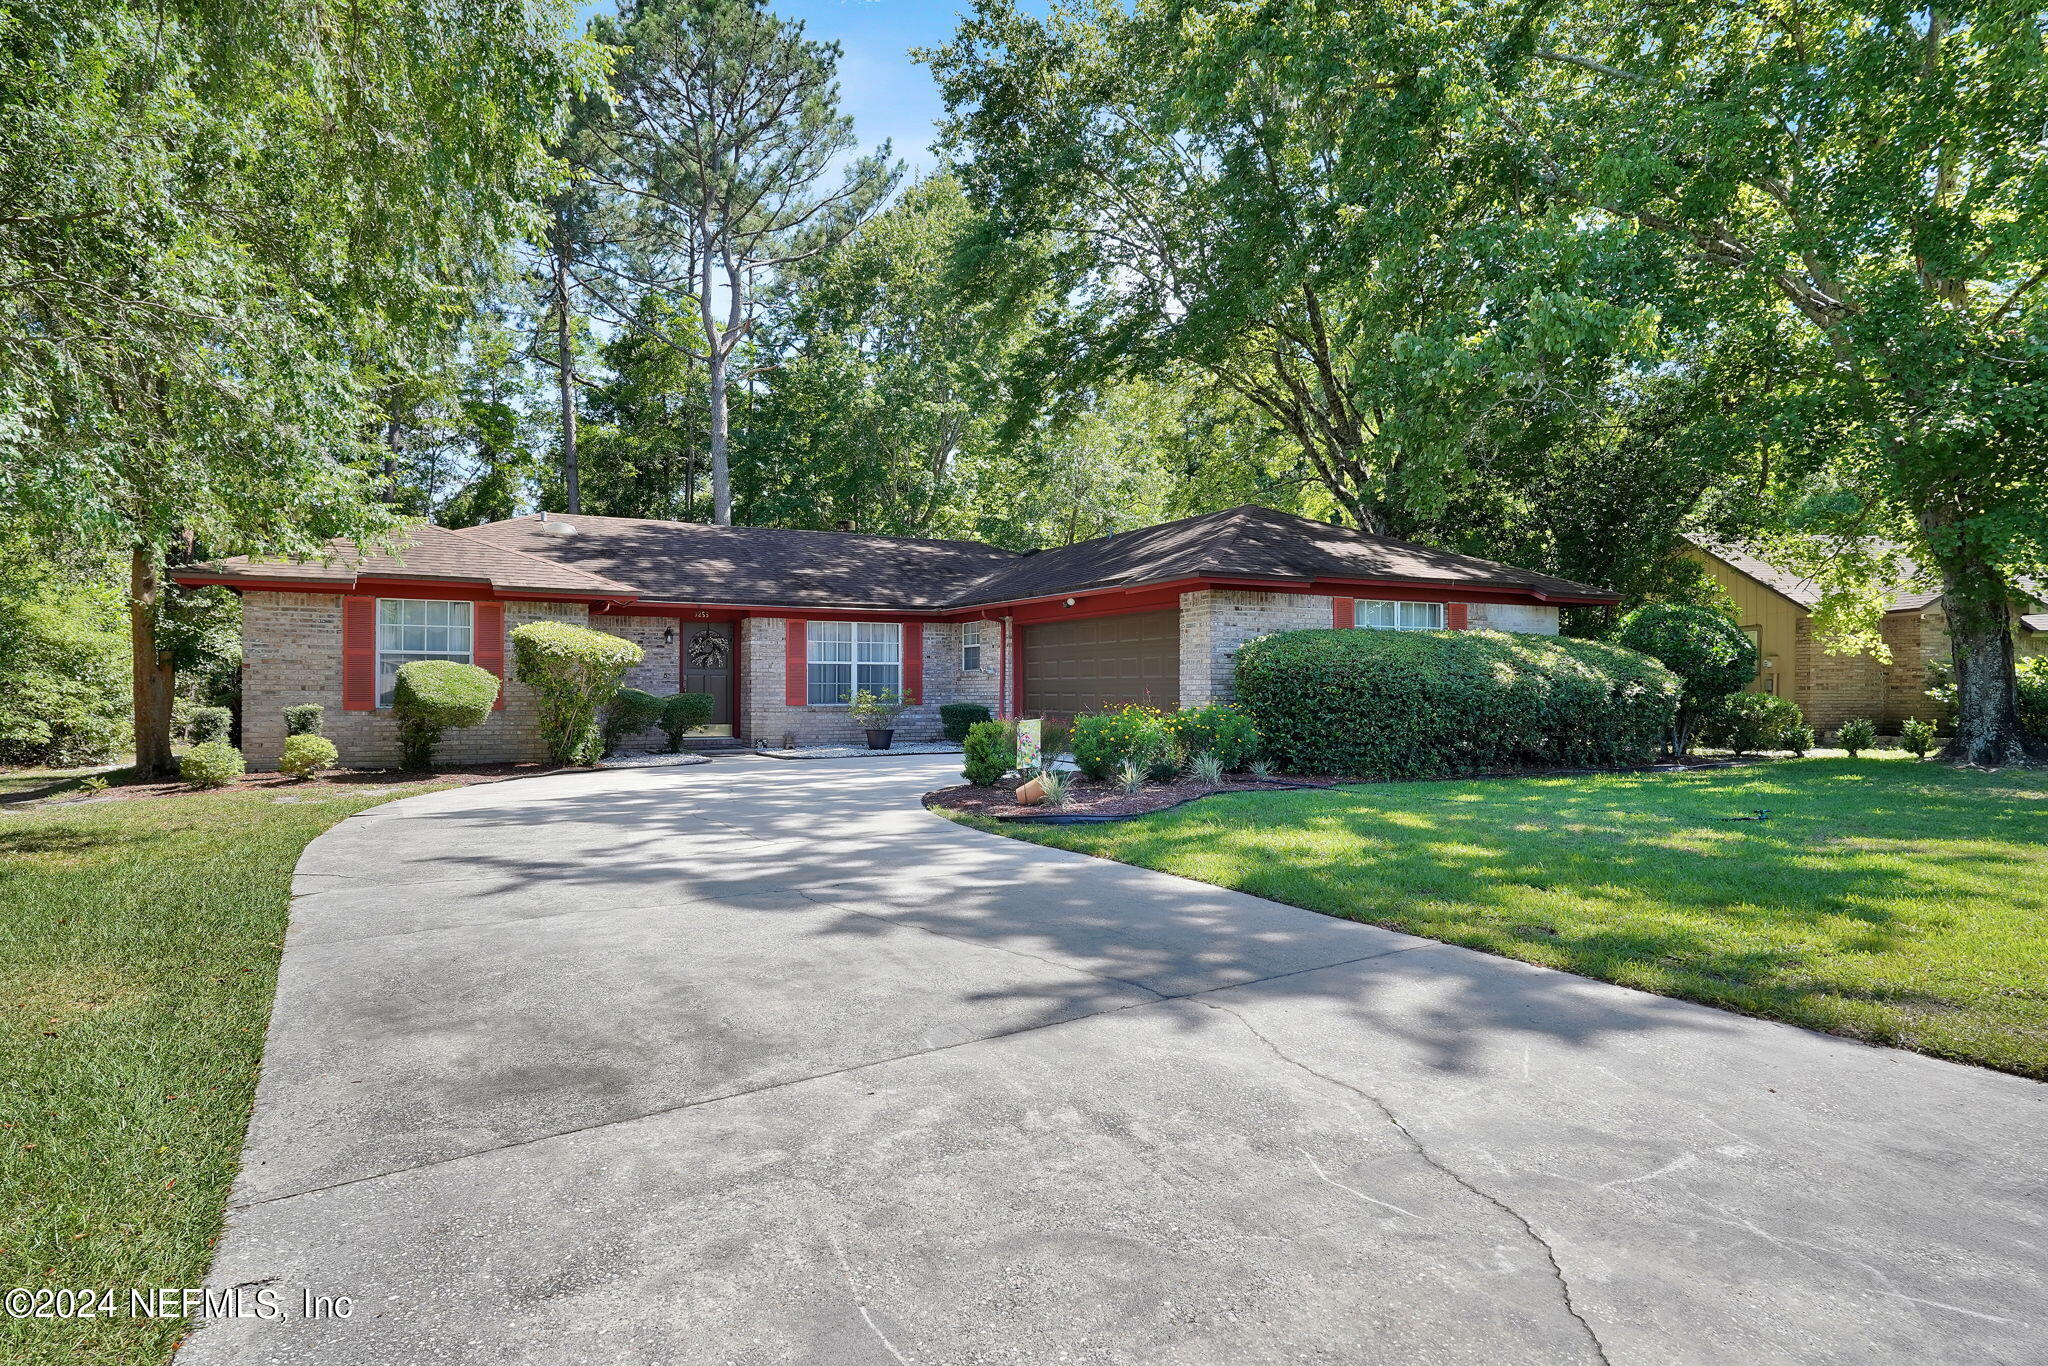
(1031, 794)
(879, 739)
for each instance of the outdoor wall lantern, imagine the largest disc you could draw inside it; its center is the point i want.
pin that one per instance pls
(1070, 602)
(668, 636)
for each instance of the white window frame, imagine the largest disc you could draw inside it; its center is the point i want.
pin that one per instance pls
(403, 655)
(870, 652)
(970, 647)
(1399, 615)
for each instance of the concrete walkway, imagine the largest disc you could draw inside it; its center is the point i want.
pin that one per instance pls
(761, 1062)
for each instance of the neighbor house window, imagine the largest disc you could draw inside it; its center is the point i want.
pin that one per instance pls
(1399, 616)
(409, 629)
(970, 647)
(845, 655)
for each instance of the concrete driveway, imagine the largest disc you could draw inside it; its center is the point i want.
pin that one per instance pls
(761, 1062)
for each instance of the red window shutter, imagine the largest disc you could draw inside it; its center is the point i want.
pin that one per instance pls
(1455, 615)
(913, 660)
(490, 644)
(796, 665)
(1341, 617)
(359, 654)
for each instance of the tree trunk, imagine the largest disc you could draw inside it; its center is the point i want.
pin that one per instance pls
(155, 679)
(721, 471)
(1980, 632)
(565, 372)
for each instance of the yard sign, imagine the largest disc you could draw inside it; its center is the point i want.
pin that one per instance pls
(1027, 745)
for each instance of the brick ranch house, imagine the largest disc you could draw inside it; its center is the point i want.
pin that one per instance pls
(1775, 606)
(780, 625)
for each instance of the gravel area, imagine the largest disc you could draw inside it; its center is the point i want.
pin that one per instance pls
(654, 760)
(861, 751)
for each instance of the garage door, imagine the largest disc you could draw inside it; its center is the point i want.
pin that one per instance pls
(1077, 666)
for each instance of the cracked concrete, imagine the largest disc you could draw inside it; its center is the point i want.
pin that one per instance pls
(754, 1062)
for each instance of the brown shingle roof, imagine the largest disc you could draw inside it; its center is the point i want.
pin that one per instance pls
(425, 552)
(1907, 597)
(755, 566)
(686, 562)
(1257, 543)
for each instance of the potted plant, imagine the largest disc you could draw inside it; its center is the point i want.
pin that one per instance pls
(876, 711)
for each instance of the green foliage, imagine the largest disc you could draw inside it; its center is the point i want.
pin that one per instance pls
(990, 752)
(1799, 739)
(877, 708)
(682, 713)
(2033, 688)
(1103, 741)
(213, 764)
(1130, 777)
(1054, 782)
(1918, 737)
(629, 712)
(1426, 704)
(1857, 735)
(306, 754)
(573, 671)
(1222, 729)
(1206, 767)
(206, 724)
(1711, 656)
(63, 666)
(307, 718)
(1752, 721)
(432, 696)
(957, 717)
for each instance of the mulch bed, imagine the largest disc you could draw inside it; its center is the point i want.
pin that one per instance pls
(339, 782)
(1090, 800)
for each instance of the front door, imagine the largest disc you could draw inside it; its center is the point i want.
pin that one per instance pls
(707, 667)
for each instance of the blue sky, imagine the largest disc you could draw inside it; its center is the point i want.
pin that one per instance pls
(888, 95)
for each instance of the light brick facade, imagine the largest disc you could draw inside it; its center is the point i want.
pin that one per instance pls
(291, 654)
(1517, 618)
(767, 718)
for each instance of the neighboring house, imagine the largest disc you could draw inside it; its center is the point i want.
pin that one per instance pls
(1776, 609)
(779, 625)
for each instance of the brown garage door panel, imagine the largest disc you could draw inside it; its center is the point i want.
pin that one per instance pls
(1076, 666)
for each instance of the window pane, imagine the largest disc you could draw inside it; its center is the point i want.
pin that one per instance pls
(1378, 615)
(970, 633)
(878, 642)
(876, 677)
(1421, 616)
(829, 684)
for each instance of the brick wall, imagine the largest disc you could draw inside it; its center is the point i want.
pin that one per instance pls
(1917, 639)
(291, 653)
(1215, 622)
(1833, 688)
(1520, 618)
(767, 716)
(659, 670)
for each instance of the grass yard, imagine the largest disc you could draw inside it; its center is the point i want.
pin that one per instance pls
(1901, 903)
(138, 952)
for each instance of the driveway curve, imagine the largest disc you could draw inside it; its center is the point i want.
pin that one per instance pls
(759, 1061)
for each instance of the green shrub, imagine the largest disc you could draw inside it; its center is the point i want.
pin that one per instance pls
(1752, 721)
(1102, 741)
(1857, 735)
(956, 717)
(1222, 729)
(64, 666)
(574, 671)
(1800, 739)
(991, 752)
(1425, 704)
(209, 724)
(308, 718)
(2033, 680)
(437, 695)
(1711, 656)
(1206, 768)
(1918, 736)
(629, 712)
(213, 764)
(305, 755)
(682, 713)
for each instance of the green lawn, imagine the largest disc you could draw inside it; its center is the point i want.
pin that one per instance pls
(1886, 900)
(138, 953)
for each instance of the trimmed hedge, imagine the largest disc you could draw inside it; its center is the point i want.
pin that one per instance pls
(305, 755)
(209, 724)
(681, 713)
(1753, 721)
(435, 695)
(957, 717)
(628, 713)
(1711, 656)
(215, 763)
(308, 718)
(574, 671)
(991, 752)
(1431, 704)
